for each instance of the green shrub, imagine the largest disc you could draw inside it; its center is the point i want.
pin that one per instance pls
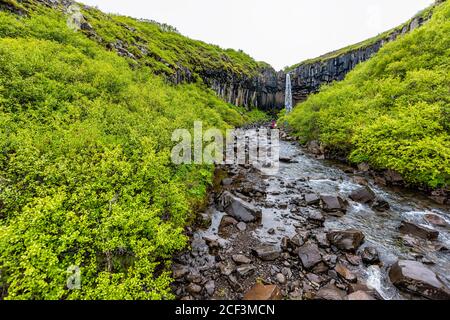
(392, 110)
(85, 171)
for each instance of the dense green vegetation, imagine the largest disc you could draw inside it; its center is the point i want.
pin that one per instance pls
(85, 171)
(392, 111)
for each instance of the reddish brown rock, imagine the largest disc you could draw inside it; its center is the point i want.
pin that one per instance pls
(345, 273)
(261, 292)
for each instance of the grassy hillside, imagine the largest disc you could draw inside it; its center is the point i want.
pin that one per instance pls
(392, 111)
(85, 172)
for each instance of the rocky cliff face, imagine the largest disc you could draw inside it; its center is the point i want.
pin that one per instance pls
(307, 78)
(265, 91)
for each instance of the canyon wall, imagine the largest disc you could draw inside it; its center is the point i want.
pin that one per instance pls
(307, 78)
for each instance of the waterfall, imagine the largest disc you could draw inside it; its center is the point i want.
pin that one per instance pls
(288, 96)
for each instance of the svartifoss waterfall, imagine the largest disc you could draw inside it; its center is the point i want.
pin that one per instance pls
(288, 97)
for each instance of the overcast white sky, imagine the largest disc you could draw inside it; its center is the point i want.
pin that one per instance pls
(280, 32)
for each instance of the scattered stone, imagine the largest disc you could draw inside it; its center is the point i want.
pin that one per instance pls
(267, 252)
(345, 273)
(435, 220)
(281, 278)
(241, 259)
(418, 231)
(380, 205)
(210, 287)
(286, 159)
(363, 195)
(227, 182)
(226, 269)
(234, 283)
(271, 231)
(314, 278)
(370, 255)
(393, 177)
(297, 241)
(363, 167)
(193, 288)
(312, 199)
(416, 278)
(360, 180)
(244, 270)
(309, 255)
(316, 217)
(315, 147)
(179, 271)
(226, 222)
(330, 292)
(353, 259)
(242, 226)
(261, 292)
(322, 240)
(348, 240)
(333, 204)
(287, 272)
(321, 267)
(360, 295)
(239, 209)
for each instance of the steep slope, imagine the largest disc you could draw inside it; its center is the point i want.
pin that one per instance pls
(86, 179)
(392, 111)
(308, 76)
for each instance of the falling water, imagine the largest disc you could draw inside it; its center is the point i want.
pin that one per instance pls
(288, 99)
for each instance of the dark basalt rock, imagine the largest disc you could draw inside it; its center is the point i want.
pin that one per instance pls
(309, 255)
(416, 278)
(349, 240)
(363, 195)
(418, 231)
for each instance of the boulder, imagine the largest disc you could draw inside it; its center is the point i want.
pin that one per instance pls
(241, 259)
(380, 205)
(333, 204)
(260, 292)
(210, 287)
(322, 240)
(309, 255)
(315, 148)
(312, 199)
(436, 220)
(418, 231)
(370, 255)
(240, 209)
(267, 252)
(345, 273)
(360, 295)
(348, 240)
(330, 292)
(363, 195)
(226, 222)
(353, 259)
(244, 270)
(242, 226)
(179, 271)
(416, 278)
(193, 288)
(285, 159)
(393, 177)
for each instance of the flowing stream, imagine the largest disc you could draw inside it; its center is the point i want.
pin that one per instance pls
(307, 174)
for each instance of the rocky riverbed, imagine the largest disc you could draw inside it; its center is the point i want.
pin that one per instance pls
(315, 230)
